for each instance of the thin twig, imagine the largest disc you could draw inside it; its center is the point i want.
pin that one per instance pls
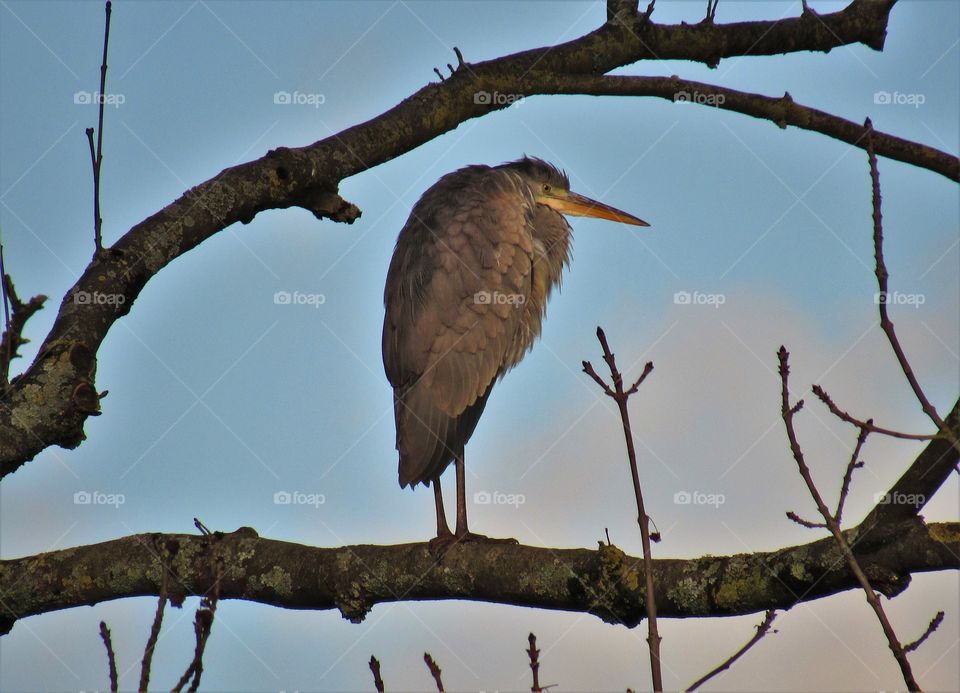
(98, 162)
(804, 523)
(787, 413)
(154, 632)
(202, 624)
(882, 284)
(7, 352)
(844, 416)
(534, 654)
(375, 668)
(762, 630)
(852, 465)
(933, 625)
(15, 315)
(434, 670)
(620, 396)
(111, 656)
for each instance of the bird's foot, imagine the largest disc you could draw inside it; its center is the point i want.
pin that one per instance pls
(470, 536)
(439, 545)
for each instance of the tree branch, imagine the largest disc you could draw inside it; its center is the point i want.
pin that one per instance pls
(606, 582)
(781, 110)
(762, 630)
(788, 412)
(50, 402)
(13, 338)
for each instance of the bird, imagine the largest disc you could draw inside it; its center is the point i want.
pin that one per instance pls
(465, 297)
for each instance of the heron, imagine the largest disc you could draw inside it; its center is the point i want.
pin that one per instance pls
(465, 298)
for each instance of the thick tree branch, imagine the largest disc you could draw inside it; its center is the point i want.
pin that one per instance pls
(605, 582)
(49, 403)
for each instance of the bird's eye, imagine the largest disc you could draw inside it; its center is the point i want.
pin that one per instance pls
(546, 187)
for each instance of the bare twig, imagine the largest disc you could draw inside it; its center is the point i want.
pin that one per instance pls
(762, 630)
(111, 656)
(787, 413)
(375, 668)
(202, 624)
(534, 655)
(434, 670)
(620, 396)
(804, 523)
(154, 632)
(15, 316)
(204, 530)
(931, 627)
(852, 465)
(844, 416)
(882, 281)
(98, 159)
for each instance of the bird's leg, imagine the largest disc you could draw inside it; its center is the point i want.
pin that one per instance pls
(462, 533)
(441, 543)
(443, 530)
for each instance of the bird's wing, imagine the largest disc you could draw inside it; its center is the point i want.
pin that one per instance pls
(458, 282)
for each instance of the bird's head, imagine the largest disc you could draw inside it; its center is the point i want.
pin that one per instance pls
(551, 187)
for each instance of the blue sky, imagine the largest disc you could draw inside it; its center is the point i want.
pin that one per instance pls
(220, 398)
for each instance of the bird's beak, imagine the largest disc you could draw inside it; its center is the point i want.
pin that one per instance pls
(567, 202)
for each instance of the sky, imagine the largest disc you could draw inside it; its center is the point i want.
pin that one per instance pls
(220, 397)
